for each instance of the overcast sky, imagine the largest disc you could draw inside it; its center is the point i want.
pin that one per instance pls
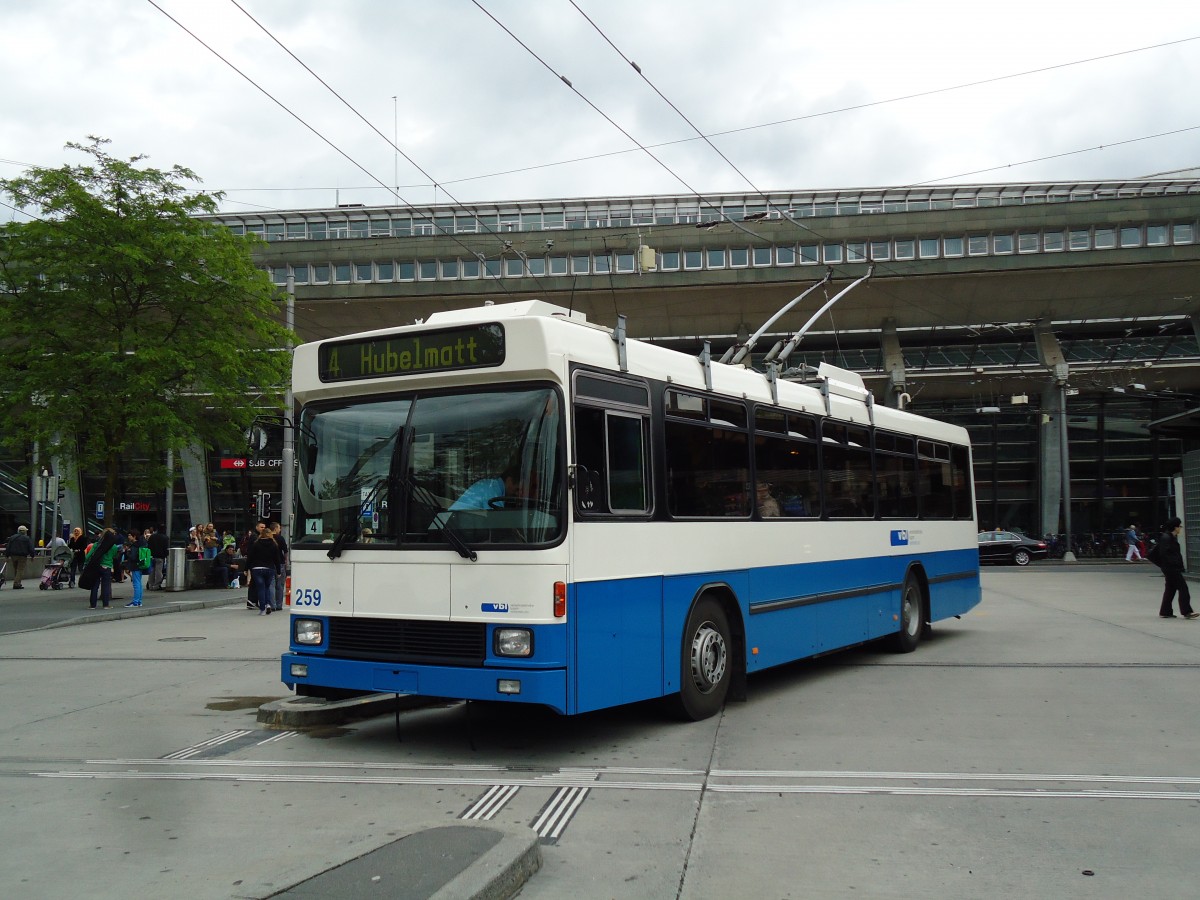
(775, 80)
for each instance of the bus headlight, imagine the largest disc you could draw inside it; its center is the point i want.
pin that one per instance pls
(513, 642)
(308, 631)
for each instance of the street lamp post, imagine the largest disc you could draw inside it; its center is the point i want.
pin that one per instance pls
(289, 436)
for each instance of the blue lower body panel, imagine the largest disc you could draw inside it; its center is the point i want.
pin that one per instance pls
(545, 686)
(623, 639)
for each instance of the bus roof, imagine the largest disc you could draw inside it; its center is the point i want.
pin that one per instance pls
(543, 329)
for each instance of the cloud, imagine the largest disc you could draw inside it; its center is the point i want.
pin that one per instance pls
(471, 101)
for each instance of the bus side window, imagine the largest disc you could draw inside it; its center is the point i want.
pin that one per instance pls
(612, 474)
(960, 464)
(792, 469)
(589, 458)
(935, 483)
(626, 460)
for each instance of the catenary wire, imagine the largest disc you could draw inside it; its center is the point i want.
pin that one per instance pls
(495, 279)
(761, 125)
(699, 197)
(833, 112)
(744, 177)
(830, 112)
(1026, 162)
(457, 203)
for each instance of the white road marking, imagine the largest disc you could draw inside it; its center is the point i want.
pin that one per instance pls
(558, 812)
(503, 782)
(491, 802)
(188, 752)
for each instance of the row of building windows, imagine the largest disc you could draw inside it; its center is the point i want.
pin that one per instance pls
(680, 211)
(520, 265)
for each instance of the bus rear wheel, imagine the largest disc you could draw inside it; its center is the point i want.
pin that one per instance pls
(706, 667)
(912, 616)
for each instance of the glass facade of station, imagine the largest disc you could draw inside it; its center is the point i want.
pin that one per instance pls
(1120, 473)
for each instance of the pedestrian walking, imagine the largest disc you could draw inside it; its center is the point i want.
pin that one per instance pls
(280, 576)
(18, 549)
(263, 561)
(1133, 554)
(1168, 557)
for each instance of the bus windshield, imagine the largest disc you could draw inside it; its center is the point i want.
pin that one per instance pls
(477, 467)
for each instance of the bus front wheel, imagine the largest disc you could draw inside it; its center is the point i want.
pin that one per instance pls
(912, 617)
(707, 662)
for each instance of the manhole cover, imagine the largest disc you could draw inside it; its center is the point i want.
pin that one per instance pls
(177, 639)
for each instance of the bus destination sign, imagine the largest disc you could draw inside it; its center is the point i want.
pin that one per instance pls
(447, 350)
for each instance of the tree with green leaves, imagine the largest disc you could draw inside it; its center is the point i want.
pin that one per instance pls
(128, 326)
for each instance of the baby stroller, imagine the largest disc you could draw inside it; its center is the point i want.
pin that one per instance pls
(57, 573)
(3, 563)
(54, 576)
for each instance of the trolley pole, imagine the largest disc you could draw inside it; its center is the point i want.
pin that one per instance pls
(289, 431)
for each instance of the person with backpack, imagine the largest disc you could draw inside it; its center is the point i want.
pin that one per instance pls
(1168, 557)
(138, 562)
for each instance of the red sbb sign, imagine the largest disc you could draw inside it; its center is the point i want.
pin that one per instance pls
(241, 462)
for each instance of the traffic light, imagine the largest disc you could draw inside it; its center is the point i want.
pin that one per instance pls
(263, 507)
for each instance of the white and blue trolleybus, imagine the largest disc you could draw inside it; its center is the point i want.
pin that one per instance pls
(509, 503)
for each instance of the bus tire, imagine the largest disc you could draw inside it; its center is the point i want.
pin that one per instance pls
(912, 616)
(707, 663)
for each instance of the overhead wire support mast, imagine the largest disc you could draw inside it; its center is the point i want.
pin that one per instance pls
(738, 353)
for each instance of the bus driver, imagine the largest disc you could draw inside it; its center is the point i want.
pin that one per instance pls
(478, 495)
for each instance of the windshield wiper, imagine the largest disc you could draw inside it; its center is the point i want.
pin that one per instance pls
(399, 465)
(351, 527)
(426, 500)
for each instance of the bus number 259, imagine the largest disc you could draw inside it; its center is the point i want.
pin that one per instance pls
(306, 597)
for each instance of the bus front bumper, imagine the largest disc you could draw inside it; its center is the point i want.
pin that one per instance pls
(545, 686)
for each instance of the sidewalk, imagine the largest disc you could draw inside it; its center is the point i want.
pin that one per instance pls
(463, 861)
(31, 609)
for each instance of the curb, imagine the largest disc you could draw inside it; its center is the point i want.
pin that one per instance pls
(315, 712)
(501, 871)
(463, 861)
(117, 613)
